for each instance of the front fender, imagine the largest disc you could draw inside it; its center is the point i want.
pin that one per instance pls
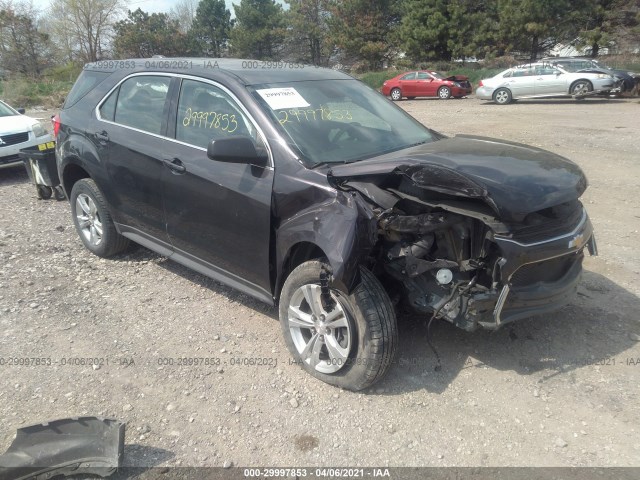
(343, 227)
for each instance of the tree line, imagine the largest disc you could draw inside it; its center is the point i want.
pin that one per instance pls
(364, 34)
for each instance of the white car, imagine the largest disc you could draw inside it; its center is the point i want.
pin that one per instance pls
(536, 80)
(18, 131)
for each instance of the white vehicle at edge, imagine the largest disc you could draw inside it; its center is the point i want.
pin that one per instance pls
(536, 80)
(18, 131)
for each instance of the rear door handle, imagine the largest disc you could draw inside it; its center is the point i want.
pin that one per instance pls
(175, 165)
(103, 136)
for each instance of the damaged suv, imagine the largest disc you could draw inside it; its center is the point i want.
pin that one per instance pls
(308, 190)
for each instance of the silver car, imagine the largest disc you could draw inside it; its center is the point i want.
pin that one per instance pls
(536, 80)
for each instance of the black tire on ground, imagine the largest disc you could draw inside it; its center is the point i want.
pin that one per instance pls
(396, 94)
(110, 242)
(502, 96)
(44, 192)
(58, 193)
(369, 339)
(444, 93)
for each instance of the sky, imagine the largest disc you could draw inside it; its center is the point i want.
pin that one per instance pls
(149, 6)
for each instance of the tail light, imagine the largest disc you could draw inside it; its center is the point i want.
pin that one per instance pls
(480, 83)
(55, 121)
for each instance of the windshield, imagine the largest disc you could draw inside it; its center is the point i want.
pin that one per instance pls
(338, 121)
(437, 75)
(7, 111)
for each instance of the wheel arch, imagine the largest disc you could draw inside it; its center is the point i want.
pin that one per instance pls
(296, 255)
(71, 173)
(342, 230)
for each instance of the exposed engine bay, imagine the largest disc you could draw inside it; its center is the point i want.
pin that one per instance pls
(456, 260)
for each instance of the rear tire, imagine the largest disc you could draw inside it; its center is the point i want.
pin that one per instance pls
(396, 94)
(502, 96)
(351, 344)
(93, 221)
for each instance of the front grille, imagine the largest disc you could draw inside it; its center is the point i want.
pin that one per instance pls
(13, 139)
(545, 271)
(548, 223)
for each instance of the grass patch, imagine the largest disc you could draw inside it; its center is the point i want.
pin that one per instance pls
(376, 79)
(629, 62)
(23, 92)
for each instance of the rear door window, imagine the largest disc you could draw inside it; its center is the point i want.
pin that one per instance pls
(409, 76)
(139, 103)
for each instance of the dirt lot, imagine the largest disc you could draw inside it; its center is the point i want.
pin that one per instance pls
(555, 391)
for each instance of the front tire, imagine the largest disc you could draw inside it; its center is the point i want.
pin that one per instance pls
(444, 93)
(396, 94)
(93, 221)
(350, 344)
(502, 96)
(581, 88)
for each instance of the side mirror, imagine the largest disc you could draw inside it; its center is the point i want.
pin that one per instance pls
(21, 111)
(236, 150)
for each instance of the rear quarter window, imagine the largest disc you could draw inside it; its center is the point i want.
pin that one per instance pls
(87, 80)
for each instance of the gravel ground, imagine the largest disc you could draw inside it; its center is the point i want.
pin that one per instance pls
(555, 391)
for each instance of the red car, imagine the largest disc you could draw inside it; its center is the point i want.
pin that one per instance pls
(426, 83)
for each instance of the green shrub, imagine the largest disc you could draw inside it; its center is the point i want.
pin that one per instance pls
(64, 73)
(376, 79)
(474, 74)
(628, 61)
(25, 92)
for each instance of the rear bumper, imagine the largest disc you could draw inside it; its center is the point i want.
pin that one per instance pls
(484, 93)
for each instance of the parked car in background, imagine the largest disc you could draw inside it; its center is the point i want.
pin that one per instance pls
(18, 131)
(426, 83)
(539, 80)
(578, 64)
(306, 189)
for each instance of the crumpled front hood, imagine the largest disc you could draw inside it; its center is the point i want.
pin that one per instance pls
(514, 179)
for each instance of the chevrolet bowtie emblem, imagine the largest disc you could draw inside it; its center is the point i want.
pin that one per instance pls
(577, 241)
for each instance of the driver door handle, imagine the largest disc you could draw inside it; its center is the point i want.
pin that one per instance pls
(175, 165)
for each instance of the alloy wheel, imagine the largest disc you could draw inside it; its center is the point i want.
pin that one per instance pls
(89, 222)
(321, 335)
